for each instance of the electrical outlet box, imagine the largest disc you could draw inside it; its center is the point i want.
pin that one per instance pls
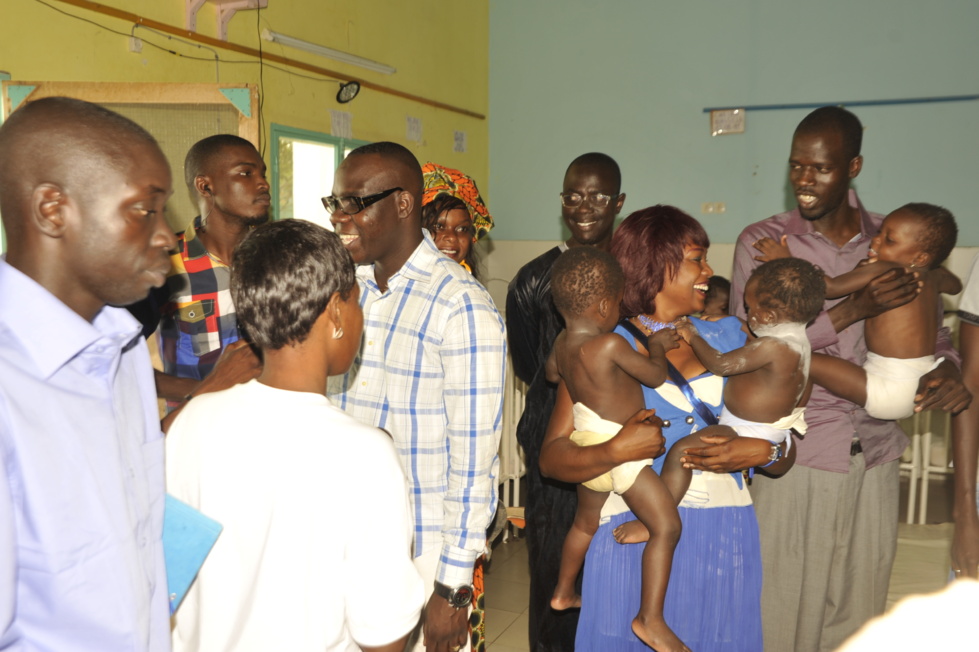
(135, 44)
(713, 207)
(726, 121)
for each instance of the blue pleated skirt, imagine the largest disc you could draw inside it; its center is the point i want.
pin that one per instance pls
(714, 598)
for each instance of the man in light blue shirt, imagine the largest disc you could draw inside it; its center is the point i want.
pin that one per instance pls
(430, 372)
(82, 192)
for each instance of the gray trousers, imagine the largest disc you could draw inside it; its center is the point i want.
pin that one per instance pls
(828, 542)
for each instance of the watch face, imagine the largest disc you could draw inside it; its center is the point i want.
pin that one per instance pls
(461, 596)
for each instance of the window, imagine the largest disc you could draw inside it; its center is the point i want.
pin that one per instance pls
(303, 163)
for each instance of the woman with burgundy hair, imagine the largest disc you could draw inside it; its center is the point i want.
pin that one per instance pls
(713, 600)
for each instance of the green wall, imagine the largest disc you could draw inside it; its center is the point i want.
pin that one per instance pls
(632, 77)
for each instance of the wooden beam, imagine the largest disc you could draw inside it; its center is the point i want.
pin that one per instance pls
(267, 56)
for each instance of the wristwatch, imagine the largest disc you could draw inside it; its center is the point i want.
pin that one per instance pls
(774, 456)
(458, 597)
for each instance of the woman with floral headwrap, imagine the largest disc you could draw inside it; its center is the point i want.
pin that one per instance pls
(454, 213)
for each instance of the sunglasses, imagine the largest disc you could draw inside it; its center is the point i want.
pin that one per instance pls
(353, 205)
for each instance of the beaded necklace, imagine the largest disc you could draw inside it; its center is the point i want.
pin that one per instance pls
(651, 325)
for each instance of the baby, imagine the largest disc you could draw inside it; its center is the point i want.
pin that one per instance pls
(603, 374)
(717, 299)
(901, 341)
(767, 378)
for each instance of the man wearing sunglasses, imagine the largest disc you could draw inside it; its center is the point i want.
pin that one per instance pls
(590, 201)
(430, 372)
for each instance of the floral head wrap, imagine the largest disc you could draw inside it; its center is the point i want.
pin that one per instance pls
(442, 180)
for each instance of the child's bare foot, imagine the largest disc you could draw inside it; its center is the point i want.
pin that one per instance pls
(657, 635)
(631, 532)
(562, 601)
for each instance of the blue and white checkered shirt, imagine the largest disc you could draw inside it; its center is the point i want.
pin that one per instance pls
(430, 372)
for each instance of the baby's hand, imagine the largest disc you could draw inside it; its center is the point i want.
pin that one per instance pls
(665, 337)
(686, 330)
(771, 250)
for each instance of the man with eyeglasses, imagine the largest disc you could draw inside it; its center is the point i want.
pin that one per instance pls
(430, 372)
(590, 201)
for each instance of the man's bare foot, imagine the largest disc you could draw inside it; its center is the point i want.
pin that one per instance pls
(657, 635)
(561, 602)
(631, 532)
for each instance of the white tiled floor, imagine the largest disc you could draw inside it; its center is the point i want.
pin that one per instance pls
(507, 587)
(921, 566)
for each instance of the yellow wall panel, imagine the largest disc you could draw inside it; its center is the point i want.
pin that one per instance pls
(439, 48)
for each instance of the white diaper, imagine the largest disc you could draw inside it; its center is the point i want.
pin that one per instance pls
(892, 384)
(591, 429)
(775, 432)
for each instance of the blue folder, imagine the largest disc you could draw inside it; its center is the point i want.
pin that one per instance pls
(188, 537)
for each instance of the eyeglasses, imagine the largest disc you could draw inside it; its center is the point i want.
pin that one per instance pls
(353, 205)
(574, 199)
(463, 229)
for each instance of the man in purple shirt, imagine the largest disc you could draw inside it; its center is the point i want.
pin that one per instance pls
(829, 526)
(82, 192)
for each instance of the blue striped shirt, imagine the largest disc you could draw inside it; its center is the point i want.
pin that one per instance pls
(430, 372)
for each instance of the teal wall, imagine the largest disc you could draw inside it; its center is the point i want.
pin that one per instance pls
(632, 77)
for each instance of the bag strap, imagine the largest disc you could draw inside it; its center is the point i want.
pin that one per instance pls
(698, 405)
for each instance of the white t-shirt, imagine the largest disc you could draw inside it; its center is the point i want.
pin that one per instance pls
(316, 548)
(969, 301)
(936, 621)
(969, 310)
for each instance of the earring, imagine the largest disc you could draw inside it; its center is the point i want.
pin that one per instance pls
(337, 332)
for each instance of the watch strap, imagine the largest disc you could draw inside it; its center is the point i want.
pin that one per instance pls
(775, 456)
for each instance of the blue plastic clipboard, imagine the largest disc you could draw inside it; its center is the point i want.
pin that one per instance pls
(188, 537)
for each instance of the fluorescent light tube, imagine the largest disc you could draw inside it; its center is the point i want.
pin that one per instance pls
(329, 53)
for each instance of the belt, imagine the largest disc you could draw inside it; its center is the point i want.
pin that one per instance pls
(855, 447)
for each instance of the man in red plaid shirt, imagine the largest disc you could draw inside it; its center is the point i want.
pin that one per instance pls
(198, 324)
